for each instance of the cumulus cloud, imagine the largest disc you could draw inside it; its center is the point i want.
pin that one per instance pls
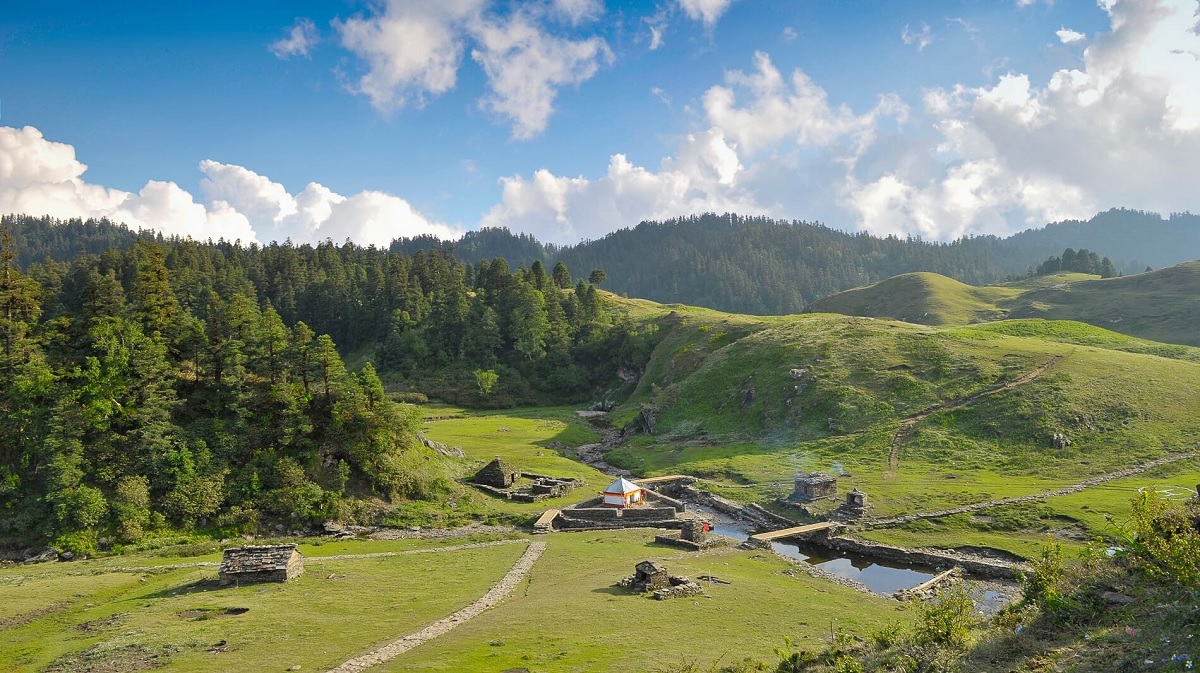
(778, 109)
(317, 213)
(526, 67)
(1068, 36)
(701, 177)
(412, 51)
(41, 177)
(922, 38)
(1124, 130)
(708, 11)
(300, 39)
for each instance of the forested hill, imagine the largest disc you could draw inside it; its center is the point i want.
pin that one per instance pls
(746, 264)
(764, 266)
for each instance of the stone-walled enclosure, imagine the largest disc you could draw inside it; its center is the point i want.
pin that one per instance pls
(502, 479)
(655, 511)
(266, 563)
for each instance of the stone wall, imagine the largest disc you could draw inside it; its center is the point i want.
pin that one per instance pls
(978, 567)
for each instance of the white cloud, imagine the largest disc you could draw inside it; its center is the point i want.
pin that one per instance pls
(411, 49)
(658, 27)
(702, 177)
(796, 109)
(578, 11)
(41, 177)
(317, 213)
(526, 67)
(921, 38)
(708, 11)
(1124, 130)
(1068, 36)
(300, 39)
(789, 34)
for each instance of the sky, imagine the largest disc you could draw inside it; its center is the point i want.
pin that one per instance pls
(568, 119)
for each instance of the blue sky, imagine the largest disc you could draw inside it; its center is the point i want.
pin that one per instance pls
(571, 118)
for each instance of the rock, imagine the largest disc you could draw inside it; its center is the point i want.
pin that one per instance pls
(1116, 598)
(747, 396)
(798, 373)
(1060, 441)
(44, 556)
(295, 668)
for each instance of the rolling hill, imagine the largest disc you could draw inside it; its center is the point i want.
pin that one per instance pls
(1162, 305)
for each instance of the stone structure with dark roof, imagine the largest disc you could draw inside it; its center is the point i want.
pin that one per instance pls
(497, 474)
(814, 486)
(266, 563)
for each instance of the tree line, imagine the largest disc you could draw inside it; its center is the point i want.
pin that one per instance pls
(172, 383)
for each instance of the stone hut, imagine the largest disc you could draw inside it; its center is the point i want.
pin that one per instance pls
(814, 486)
(650, 576)
(498, 474)
(269, 563)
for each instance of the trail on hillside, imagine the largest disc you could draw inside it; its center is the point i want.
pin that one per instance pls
(907, 424)
(1087, 483)
(445, 625)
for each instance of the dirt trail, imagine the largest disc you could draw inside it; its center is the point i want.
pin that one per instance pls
(593, 454)
(907, 424)
(1094, 481)
(442, 626)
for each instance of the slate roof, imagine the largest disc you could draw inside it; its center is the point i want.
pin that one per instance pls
(257, 559)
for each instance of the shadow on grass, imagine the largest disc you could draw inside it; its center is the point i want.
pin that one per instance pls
(196, 587)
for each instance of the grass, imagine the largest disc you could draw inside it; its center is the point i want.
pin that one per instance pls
(566, 616)
(336, 610)
(569, 617)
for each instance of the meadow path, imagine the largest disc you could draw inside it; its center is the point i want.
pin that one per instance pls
(907, 424)
(1087, 483)
(442, 626)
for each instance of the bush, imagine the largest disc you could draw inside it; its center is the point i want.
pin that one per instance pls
(946, 620)
(1166, 541)
(410, 398)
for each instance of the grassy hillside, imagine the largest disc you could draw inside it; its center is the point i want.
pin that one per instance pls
(1162, 305)
(921, 298)
(748, 402)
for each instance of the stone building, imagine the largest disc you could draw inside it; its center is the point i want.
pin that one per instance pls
(814, 486)
(650, 576)
(269, 563)
(498, 474)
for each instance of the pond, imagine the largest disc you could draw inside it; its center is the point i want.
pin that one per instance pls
(882, 577)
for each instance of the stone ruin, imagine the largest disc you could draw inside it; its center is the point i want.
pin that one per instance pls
(814, 486)
(650, 576)
(497, 474)
(853, 508)
(693, 534)
(261, 563)
(500, 478)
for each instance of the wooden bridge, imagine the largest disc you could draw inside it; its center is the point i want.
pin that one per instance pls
(793, 532)
(545, 522)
